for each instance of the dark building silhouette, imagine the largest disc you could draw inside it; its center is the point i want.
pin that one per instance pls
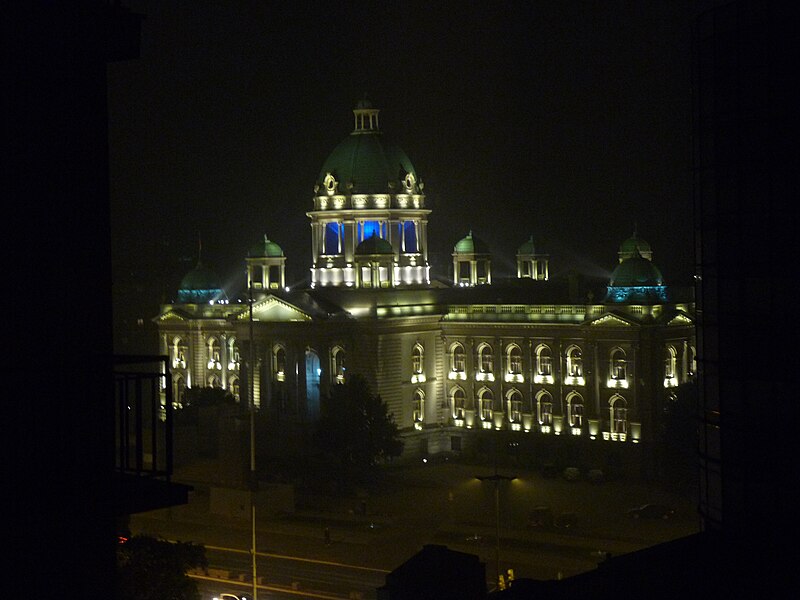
(66, 488)
(745, 188)
(436, 573)
(745, 171)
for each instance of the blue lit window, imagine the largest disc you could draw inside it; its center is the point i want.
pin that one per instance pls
(334, 232)
(410, 236)
(369, 228)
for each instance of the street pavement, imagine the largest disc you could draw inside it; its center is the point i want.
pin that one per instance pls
(442, 503)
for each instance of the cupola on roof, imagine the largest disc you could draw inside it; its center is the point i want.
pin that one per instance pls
(633, 246)
(265, 248)
(471, 245)
(527, 247)
(365, 162)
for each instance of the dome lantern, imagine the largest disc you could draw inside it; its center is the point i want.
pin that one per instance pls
(366, 117)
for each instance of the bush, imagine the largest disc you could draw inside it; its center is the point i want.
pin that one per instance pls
(571, 474)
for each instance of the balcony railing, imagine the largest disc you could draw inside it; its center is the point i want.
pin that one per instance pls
(143, 438)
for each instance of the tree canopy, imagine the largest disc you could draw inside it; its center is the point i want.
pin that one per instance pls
(355, 426)
(154, 569)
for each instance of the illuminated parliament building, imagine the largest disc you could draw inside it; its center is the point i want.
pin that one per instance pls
(531, 356)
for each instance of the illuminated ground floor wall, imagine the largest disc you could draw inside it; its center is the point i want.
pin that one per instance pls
(596, 376)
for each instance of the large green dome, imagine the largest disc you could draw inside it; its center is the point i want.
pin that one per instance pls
(369, 163)
(636, 271)
(365, 162)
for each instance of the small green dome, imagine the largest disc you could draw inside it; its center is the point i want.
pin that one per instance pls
(200, 284)
(636, 271)
(264, 249)
(527, 247)
(634, 244)
(471, 245)
(374, 245)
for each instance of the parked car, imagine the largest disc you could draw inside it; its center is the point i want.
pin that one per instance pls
(227, 596)
(651, 511)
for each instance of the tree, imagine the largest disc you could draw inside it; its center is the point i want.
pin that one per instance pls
(356, 427)
(200, 398)
(154, 569)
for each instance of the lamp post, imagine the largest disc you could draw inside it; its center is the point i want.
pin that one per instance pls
(253, 479)
(496, 479)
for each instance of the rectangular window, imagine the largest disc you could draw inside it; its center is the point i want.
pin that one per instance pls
(257, 276)
(334, 232)
(409, 237)
(274, 276)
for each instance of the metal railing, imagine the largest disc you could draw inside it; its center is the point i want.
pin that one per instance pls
(143, 416)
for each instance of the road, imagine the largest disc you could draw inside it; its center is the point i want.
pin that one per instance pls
(442, 505)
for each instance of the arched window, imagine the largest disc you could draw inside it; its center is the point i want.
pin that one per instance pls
(214, 381)
(279, 364)
(692, 361)
(619, 371)
(514, 406)
(417, 359)
(544, 365)
(457, 362)
(574, 362)
(337, 364)
(214, 354)
(486, 401)
(417, 364)
(514, 360)
(233, 354)
(485, 358)
(179, 351)
(178, 391)
(233, 388)
(670, 364)
(544, 411)
(459, 403)
(619, 415)
(418, 407)
(575, 411)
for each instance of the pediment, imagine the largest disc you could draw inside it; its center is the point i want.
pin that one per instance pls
(274, 309)
(680, 319)
(171, 315)
(611, 320)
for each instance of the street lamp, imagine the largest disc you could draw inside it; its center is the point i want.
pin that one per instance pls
(253, 477)
(496, 479)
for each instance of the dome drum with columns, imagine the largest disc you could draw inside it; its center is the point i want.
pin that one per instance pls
(533, 354)
(368, 187)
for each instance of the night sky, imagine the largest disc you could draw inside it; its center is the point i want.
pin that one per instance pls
(569, 121)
